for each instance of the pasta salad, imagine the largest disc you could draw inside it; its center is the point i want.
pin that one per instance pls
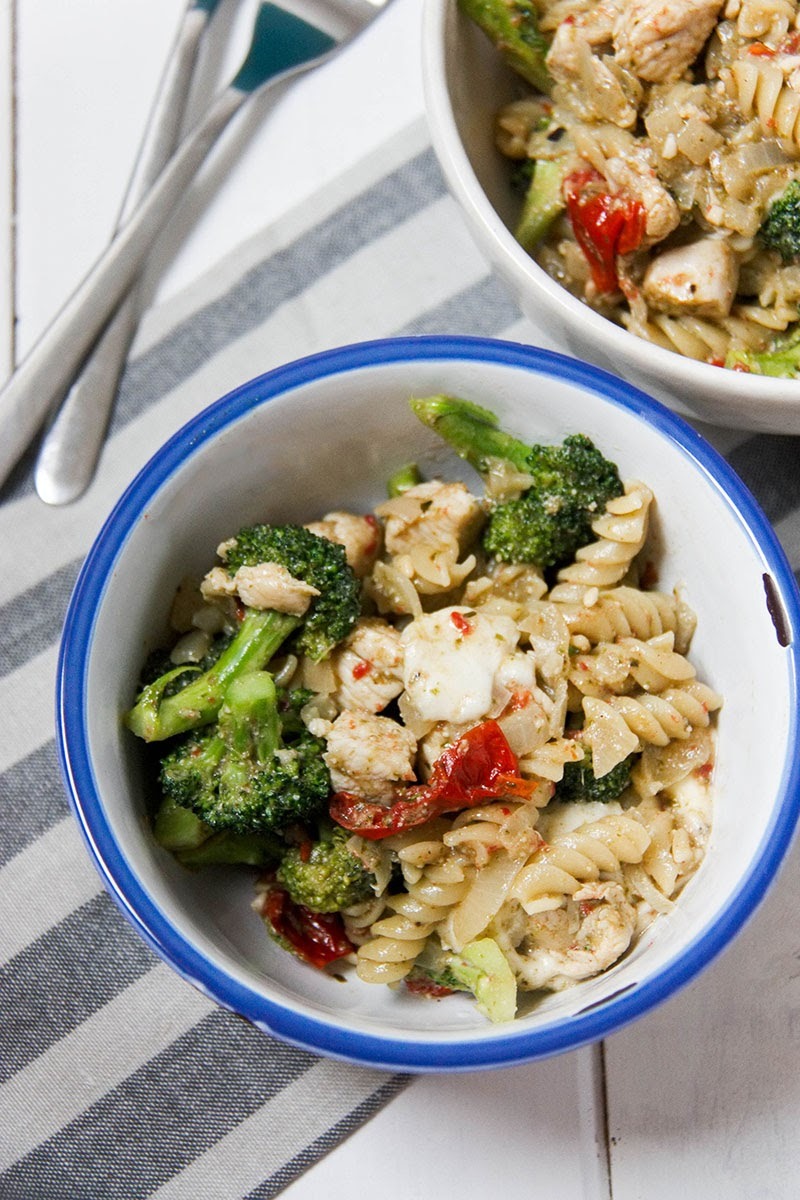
(459, 738)
(656, 144)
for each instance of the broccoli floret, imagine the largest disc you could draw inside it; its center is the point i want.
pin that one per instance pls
(162, 710)
(513, 27)
(782, 360)
(579, 781)
(481, 968)
(781, 228)
(318, 562)
(328, 877)
(195, 844)
(570, 483)
(241, 774)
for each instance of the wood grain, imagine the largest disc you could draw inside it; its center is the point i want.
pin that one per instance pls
(703, 1094)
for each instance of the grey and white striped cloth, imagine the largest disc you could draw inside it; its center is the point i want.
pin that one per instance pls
(117, 1079)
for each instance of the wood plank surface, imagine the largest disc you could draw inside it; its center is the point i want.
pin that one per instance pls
(704, 1093)
(86, 74)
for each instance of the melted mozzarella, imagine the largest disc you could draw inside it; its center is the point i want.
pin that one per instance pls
(455, 657)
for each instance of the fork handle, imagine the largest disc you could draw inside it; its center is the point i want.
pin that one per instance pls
(71, 445)
(45, 373)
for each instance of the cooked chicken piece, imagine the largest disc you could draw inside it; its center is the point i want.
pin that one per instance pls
(659, 39)
(700, 279)
(595, 28)
(368, 755)
(368, 666)
(588, 937)
(360, 536)
(636, 174)
(269, 585)
(432, 513)
(216, 584)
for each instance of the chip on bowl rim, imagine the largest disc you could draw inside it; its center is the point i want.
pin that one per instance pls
(512, 1044)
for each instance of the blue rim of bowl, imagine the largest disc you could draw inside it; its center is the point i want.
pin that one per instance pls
(411, 1053)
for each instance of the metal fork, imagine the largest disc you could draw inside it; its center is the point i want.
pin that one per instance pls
(285, 43)
(71, 445)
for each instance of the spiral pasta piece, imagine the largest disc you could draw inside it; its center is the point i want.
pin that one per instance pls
(654, 664)
(629, 612)
(499, 839)
(619, 725)
(549, 760)
(765, 18)
(706, 340)
(762, 91)
(411, 917)
(621, 532)
(564, 864)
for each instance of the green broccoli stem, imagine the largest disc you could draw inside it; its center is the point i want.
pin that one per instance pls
(472, 431)
(248, 719)
(543, 203)
(513, 27)
(403, 478)
(179, 829)
(249, 727)
(781, 360)
(260, 634)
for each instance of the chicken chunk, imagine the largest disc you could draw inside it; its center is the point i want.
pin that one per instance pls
(360, 536)
(659, 39)
(367, 755)
(595, 27)
(576, 942)
(368, 666)
(217, 585)
(432, 513)
(635, 173)
(269, 585)
(266, 585)
(700, 279)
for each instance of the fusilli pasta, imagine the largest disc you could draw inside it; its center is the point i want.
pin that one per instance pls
(621, 532)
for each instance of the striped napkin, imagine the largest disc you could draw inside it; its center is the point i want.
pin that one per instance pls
(117, 1079)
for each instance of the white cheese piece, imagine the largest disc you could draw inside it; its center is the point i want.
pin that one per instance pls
(453, 659)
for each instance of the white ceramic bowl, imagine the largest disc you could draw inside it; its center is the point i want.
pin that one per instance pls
(326, 432)
(465, 84)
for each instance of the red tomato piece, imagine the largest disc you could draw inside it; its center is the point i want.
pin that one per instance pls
(606, 224)
(318, 938)
(419, 985)
(461, 623)
(479, 766)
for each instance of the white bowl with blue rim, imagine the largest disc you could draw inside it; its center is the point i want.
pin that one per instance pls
(466, 82)
(326, 432)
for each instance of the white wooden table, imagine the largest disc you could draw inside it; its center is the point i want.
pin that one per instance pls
(702, 1097)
